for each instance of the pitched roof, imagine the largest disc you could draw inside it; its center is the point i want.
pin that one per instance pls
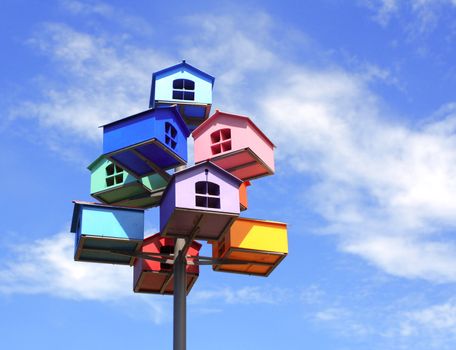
(218, 114)
(182, 65)
(202, 164)
(172, 109)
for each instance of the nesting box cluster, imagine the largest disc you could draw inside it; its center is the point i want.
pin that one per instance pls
(136, 171)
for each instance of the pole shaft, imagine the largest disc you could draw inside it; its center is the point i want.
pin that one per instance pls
(180, 301)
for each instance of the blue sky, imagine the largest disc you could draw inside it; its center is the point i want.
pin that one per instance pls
(359, 99)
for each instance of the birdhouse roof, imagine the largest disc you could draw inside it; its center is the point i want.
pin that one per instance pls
(183, 65)
(207, 163)
(208, 122)
(95, 162)
(172, 109)
(74, 221)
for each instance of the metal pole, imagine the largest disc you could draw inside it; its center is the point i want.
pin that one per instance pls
(180, 295)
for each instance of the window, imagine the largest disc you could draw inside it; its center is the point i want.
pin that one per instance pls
(221, 141)
(183, 89)
(114, 175)
(170, 135)
(207, 194)
(166, 249)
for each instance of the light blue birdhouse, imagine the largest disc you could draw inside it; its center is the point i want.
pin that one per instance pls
(148, 142)
(106, 234)
(187, 87)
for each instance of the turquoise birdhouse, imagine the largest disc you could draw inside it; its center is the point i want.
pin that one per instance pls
(187, 87)
(106, 234)
(111, 184)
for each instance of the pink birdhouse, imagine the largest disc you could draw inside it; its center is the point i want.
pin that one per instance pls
(236, 144)
(156, 277)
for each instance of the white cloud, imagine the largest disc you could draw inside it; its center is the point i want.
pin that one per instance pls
(434, 324)
(103, 80)
(244, 295)
(440, 317)
(386, 189)
(46, 266)
(426, 12)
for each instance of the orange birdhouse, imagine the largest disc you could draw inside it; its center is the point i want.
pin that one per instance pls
(261, 245)
(243, 195)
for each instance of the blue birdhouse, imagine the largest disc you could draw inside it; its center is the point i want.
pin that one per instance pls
(106, 234)
(148, 142)
(188, 88)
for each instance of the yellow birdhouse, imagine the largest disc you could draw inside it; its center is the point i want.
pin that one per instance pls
(261, 244)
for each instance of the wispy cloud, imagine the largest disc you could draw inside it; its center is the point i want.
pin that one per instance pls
(426, 13)
(435, 318)
(46, 266)
(385, 188)
(243, 295)
(100, 81)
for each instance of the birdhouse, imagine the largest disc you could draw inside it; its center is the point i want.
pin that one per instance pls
(200, 202)
(188, 88)
(235, 144)
(111, 184)
(243, 195)
(151, 276)
(106, 234)
(263, 244)
(148, 142)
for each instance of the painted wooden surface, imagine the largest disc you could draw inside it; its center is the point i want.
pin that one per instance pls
(149, 276)
(256, 241)
(185, 202)
(111, 184)
(162, 84)
(157, 136)
(101, 228)
(243, 200)
(195, 107)
(236, 144)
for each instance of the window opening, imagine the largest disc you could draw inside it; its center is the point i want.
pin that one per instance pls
(221, 141)
(166, 249)
(114, 175)
(170, 135)
(183, 89)
(207, 194)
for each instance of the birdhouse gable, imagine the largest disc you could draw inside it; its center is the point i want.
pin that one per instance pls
(224, 123)
(181, 83)
(236, 144)
(204, 197)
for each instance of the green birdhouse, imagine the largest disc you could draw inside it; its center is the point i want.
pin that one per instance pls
(111, 184)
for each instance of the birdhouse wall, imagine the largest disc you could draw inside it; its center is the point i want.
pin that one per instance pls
(168, 203)
(258, 235)
(235, 134)
(145, 126)
(243, 199)
(164, 86)
(100, 230)
(110, 222)
(186, 194)
(149, 276)
(158, 244)
(262, 243)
